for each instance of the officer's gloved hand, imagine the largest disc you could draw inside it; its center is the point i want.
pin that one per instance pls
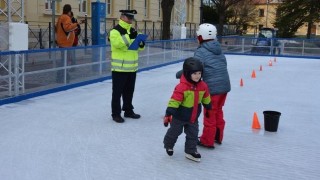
(133, 34)
(142, 43)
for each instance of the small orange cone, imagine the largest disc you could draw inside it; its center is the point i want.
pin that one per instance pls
(255, 122)
(260, 68)
(270, 63)
(275, 59)
(241, 82)
(253, 75)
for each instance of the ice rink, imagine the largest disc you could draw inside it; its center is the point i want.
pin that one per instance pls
(70, 135)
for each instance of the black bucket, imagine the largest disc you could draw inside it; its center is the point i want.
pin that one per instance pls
(271, 120)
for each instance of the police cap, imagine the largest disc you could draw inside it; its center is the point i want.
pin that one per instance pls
(129, 13)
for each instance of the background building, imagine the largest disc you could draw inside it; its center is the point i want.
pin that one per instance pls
(38, 14)
(267, 12)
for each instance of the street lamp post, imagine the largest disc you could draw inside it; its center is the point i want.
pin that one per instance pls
(267, 13)
(53, 7)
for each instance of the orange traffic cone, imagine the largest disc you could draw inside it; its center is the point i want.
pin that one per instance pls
(260, 68)
(253, 75)
(241, 82)
(270, 63)
(275, 59)
(255, 122)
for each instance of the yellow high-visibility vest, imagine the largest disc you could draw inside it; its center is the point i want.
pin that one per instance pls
(122, 59)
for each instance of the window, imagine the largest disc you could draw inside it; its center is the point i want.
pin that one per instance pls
(261, 12)
(48, 5)
(128, 4)
(83, 6)
(109, 7)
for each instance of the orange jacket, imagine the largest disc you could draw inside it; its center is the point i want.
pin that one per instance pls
(65, 31)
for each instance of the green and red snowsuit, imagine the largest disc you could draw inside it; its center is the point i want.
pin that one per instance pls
(185, 108)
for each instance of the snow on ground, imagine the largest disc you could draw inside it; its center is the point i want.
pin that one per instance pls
(70, 135)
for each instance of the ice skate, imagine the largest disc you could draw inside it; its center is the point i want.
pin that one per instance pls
(169, 152)
(194, 156)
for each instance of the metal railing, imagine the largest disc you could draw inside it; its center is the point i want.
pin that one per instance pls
(38, 71)
(34, 71)
(40, 35)
(271, 46)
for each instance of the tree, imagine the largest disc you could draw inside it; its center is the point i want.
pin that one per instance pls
(242, 14)
(222, 6)
(292, 14)
(210, 15)
(166, 6)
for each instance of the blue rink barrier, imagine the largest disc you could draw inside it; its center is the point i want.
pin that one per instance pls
(32, 73)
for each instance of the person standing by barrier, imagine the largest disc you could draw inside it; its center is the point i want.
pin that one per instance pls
(77, 32)
(65, 37)
(124, 66)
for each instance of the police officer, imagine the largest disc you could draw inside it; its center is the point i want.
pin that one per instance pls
(124, 66)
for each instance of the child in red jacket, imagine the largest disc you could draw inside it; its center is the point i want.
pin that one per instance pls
(184, 109)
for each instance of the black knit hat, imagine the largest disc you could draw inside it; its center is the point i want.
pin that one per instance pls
(190, 66)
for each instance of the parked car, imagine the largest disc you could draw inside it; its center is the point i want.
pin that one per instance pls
(266, 42)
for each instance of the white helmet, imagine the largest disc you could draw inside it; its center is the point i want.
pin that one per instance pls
(207, 31)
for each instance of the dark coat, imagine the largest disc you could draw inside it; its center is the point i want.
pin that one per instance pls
(214, 62)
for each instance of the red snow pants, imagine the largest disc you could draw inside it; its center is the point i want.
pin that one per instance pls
(213, 126)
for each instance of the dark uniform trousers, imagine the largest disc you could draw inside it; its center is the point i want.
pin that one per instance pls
(123, 84)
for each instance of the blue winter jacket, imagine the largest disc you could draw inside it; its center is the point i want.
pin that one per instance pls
(215, 67)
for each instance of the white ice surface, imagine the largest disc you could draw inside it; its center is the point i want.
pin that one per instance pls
(70, 135)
